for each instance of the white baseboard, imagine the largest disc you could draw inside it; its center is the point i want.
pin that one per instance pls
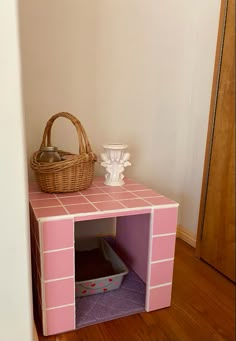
(187, 235)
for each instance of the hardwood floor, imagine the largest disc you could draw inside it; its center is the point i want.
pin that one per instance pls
(202, 309)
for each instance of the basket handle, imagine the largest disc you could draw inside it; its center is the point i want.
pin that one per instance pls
(84, 145)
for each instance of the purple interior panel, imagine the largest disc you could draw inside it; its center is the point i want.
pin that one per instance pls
(132, 239)
(127, 300)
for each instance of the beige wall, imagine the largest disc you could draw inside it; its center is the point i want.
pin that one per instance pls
(15, 293)
(133, 71)
(57, 46)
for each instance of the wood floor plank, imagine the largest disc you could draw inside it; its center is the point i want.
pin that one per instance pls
(202, 309)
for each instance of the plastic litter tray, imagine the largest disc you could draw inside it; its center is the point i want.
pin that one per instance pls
(101, 284)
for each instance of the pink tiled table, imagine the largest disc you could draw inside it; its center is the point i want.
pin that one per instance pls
(145, 232)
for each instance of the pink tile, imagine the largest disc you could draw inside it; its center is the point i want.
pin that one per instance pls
(163, 247)
(99, 184)
(81, 208)
(118, 213)
(49, 212)
(98, 197)
(159, 298)
(44, 203)
(73, 200)
(124, 195)
(91, 186)
(60, 320)
(134, 187)
(147, 193)
(160, 201)
(59, 264)
(34, 187)
(66, 195)
(129, 181)
(132, 240)
(58, 234)
(59, 293)
(113, 189)
(98, 179)
(108, 205)
(41, 195)
(161, 272)
(165, 220)
(134, 203)
(94, 190)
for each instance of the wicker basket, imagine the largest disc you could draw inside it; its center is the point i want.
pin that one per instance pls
(69, 175)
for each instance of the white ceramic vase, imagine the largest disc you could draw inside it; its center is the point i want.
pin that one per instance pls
(115, 158)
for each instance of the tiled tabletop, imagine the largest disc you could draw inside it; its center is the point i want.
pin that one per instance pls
(98, 200)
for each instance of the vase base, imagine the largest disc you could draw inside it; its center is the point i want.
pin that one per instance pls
(114, 183)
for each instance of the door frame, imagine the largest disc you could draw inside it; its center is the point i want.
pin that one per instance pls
(211, 121)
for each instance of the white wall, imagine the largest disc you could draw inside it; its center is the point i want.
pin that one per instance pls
(132, 71)
(58, 54)
(15, 293)
(205, 20)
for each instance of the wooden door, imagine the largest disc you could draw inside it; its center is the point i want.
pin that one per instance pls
(216, 232)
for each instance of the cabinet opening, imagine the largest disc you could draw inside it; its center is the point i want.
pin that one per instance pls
(115, 290)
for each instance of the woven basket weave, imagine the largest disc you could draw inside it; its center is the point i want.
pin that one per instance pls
(69, 175)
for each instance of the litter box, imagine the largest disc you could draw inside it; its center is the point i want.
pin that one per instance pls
(99, 285)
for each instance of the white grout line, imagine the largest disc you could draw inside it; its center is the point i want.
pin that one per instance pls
(162, 260)
(35, 199)
(56, 196)
(61, 306)
(58, 279)
(55, 218)
(39, 226)
(53, 206)
(90, 201)
(147, 303)
(117, 210)
(121, 203)
(97, 213)
(146, 198)
(164, 235)
(78, 203)
(63, 206)
(118, 200)
(143, 190)
(58, 250)
(160, 285)
(148, 202)
(74, 298)
(135, 193)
